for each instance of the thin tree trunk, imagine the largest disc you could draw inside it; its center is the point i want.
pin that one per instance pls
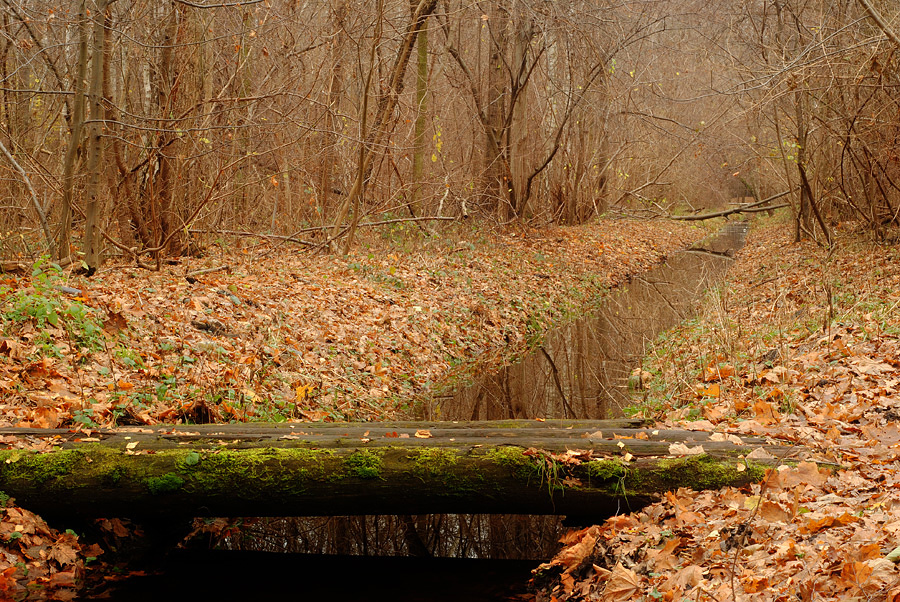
(415, 199)
(518, 127)
(92, 238)
(335, 90)
(63, 248)
(496, 184)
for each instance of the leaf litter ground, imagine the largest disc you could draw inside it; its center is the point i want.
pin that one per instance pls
(267, 333)
(801, 346)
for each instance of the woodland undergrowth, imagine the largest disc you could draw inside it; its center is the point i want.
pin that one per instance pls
(800, 345)
(269, 333)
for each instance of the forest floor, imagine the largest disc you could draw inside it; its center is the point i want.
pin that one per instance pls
(802, 345)
(271, 333)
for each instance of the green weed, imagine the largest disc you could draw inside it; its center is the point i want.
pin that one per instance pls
(45, 305)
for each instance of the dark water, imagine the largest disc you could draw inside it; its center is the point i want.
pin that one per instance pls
(219, 576)
(581, 369)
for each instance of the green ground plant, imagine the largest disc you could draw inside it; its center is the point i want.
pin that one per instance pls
(45, 304)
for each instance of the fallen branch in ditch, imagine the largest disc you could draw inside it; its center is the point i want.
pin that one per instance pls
(749, 208)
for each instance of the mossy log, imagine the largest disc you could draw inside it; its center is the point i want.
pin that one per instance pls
(378, 468)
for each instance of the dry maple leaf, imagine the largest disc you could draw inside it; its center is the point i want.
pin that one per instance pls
(63, 553)
(688, 577)
(726, 437)
(664, 559)
(816, 522)
(760, 454)
(115, 322)
(774, 512)
(765, 413)
(622, 585)
(806, 473)
(714, 390)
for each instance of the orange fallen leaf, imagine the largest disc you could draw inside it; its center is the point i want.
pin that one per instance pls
(815, 525)
(755, 584)
(765, 413)
(714, 390)
(622, 585)
(714, 373)
(423, 434)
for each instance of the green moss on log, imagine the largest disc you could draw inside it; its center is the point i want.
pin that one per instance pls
(510, 456)
(166, 483)
(697, 472)
(435, 461)
(295, 481)
(605, 470)
(40, 468)
(365, 464)
(453, 472)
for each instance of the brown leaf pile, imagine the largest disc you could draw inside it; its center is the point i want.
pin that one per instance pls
(37, 562)
(787, 363)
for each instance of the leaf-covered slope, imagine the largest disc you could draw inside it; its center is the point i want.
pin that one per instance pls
(771, 355)
(286, 335)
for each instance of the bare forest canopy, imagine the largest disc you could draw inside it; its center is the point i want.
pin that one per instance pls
(130, 127)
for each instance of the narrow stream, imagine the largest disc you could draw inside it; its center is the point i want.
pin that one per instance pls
(580, 371)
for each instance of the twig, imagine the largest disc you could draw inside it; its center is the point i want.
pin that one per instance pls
(423, 218)
(556, 381)
(879, 20)
(409, 219)
(299, 241)
(766, 208)
(221, 268)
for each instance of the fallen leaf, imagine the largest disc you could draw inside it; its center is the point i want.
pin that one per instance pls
(765, 413)
(680, 449)
(714, 390)
(622, 585)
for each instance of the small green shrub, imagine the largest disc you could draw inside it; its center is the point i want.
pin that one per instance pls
(45, 304)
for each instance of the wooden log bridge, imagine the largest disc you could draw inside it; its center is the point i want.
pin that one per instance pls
(594, 467)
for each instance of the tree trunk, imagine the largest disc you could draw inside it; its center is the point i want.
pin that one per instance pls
(496, 184)
(378, 468)
(415, 194)
(63, 241)
(335, 90)
(518, 134)
(91, 246)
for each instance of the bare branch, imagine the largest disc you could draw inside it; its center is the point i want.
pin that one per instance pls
(749, 208)
(34, 199)
(879, 20)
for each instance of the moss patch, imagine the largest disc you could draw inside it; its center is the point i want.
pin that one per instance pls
(697, 472)
(112, 477)
(166, 483)
(365, 464)
(605, 469)
(38, 467)
(509, 456)
(704, 472)
(435, 461)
